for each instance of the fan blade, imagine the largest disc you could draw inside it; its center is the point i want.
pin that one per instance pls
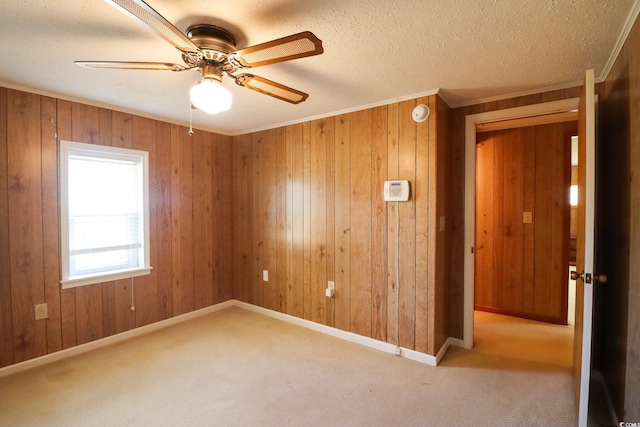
(287, 48)
(131, 65)
(271, 88)
(144, 13)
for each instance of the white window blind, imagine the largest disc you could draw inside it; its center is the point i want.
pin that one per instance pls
(104, 213)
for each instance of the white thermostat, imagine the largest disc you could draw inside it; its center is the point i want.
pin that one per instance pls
(396, 191)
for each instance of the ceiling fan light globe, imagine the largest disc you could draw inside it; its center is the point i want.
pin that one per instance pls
(210, 96)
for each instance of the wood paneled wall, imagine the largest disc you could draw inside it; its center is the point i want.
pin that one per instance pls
(521, 269)
(190, 213)
(309, 208)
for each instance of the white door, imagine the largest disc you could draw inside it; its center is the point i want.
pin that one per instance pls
(585, 247)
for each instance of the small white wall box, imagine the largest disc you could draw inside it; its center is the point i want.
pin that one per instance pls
(396, 191)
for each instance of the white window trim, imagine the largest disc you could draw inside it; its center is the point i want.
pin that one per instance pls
(89, 279)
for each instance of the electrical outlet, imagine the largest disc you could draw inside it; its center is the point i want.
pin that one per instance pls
(331, 289)
(41, 311)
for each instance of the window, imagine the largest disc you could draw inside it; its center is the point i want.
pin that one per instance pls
(104, 213)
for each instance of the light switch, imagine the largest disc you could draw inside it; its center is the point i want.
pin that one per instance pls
(265, 275)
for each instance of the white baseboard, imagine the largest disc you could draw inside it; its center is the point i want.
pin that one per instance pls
(456, 342)
(112, 339)
(338, 333)
(448, 343)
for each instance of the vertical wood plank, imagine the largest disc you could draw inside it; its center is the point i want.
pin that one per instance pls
(361, 224)
(146, 287)
(176, 222)
(228, 166)
(197, 142)
(379, 160)
(424, 197)
(456, 155)
(244, 214)
(114, 130)
(512, 220)
(407, 170)
(50, 223)
(330, 252)
(162, 202)
(498, 219)
(89, 320)
(67, 296)
(186, 219)
(210, 290)
(217, 217)
(307, 250)
(256, 286)
(318, 230)
(289, 203)
(342, 222)
(6, 321)
(528, 237)
(393, 307)
(559, 259)
(269, 218)
(25, 219)
(280, 302)
(484, 253)
(543, 212)
(438, 328)
(296, 287)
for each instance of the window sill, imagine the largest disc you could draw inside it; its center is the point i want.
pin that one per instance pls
(91, 279)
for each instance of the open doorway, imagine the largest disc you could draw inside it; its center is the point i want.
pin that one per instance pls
(558, 111)
(522, 220)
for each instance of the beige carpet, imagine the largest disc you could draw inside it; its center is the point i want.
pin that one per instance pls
(238, 368)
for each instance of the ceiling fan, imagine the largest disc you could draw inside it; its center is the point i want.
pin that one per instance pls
(212, 50)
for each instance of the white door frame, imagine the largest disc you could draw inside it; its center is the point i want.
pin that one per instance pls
(471, 121)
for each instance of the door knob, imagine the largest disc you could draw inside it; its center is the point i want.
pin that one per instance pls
(600, 278)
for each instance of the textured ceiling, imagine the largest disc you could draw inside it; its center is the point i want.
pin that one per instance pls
(376, 51)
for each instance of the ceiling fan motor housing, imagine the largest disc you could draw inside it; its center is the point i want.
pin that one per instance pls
(214, 42)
